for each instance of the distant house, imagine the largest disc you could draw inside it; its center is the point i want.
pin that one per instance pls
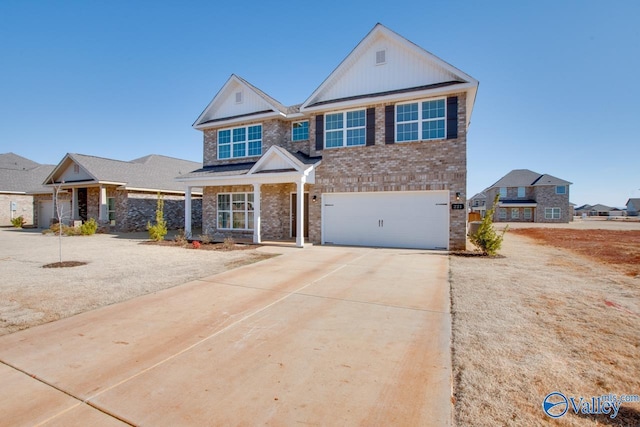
(633, 207)
(20, 179)
(527, 196)
(598, 210)
(120, 194)
(478, 203)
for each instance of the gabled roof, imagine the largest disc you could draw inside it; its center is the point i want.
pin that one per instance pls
(634, 203)
(527, 178)
(600, 208)
(14, 162)
(385, 64)
(149, 173)
(251, 102)
(21, 175)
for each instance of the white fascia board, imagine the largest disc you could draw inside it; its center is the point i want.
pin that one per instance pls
(236, 120)
(397, 97)
(155, 190)
(14, 192)
(307, 176)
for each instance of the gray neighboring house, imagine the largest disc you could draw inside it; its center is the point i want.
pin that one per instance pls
(478, 203)
(120, 194)
(633, 207)
(527, 196)
(598, 210)
(20, 180)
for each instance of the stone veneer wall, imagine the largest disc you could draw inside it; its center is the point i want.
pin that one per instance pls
(135, 209)
(24, 208)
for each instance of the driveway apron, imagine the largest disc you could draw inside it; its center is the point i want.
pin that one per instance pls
(316, 336)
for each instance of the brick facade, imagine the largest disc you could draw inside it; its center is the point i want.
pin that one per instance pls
(24, 208)
(544, 196)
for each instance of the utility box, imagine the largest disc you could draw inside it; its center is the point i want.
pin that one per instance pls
(14, 206)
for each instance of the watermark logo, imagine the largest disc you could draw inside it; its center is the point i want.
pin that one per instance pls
(555, 404)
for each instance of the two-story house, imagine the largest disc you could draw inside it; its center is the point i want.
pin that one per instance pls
(527, 196)
(375, 156)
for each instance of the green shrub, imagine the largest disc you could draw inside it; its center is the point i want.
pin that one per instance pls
(89, 227)
(66, 230)
(486, 239)
(18, 222)
(159, 229)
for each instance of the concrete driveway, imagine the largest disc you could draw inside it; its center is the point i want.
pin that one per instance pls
(316, 336)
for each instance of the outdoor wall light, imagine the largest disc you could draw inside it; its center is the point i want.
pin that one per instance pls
(458, 195)
(314, 198)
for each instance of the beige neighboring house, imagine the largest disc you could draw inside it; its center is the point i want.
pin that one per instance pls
(20, 181)
(120, 194)
(527, 196)
(375, 156)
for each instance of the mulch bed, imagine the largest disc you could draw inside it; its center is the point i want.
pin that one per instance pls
(474, 254)
(203, 246)
(64, 264)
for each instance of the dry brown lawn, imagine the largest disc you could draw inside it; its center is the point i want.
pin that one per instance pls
(546, 318)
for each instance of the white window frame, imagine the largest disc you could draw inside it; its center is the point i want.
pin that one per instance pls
(420, 121)
(502, 213)
(564, 189)
(293, 139)
(345, 129)
(111, 213)
(527, 213)
(552, 213)
(246, 141)
(521, 192)
(503, 192)
(247, 212)
(515, 213)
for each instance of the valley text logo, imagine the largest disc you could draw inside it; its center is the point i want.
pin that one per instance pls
(557, 404)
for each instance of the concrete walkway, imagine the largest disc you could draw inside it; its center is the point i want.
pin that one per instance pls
(316, 336)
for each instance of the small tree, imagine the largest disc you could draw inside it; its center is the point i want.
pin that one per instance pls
(486, 239)
(60, 214)
(159, 229)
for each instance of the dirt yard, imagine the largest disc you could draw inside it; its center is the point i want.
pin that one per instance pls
(557, 313)
(116, 268)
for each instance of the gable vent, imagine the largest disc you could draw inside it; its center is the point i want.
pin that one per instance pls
(239, 97)
(381, 57)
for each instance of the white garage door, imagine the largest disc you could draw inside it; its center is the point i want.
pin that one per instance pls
(412, 219)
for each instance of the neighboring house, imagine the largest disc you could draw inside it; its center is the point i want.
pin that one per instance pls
(527, 196)
(375, 156)
(633, 207)
(478, 203)
(598, 210)
(20, 179)
(121, 194)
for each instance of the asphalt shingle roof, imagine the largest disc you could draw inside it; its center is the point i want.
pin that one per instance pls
(21, 175)
(527, 178)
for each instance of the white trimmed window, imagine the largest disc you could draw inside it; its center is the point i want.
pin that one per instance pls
(345, 129)
(521, 192)
(561, 189)
(503, 192)
(515, 213)
(419, 121)
(551, 213)
(502, 213)
(235, 211)
(300, 131)
(111, 208)
(527, 213)
(245, 141)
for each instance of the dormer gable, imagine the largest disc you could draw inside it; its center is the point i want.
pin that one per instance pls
(69, 170)
(238, 100)
(277, 159)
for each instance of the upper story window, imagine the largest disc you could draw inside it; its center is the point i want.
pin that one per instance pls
(420, 120)
(300, 131)
(245, 141)
(561, 189)
(503, 192)
(345, 129)
(520, 192)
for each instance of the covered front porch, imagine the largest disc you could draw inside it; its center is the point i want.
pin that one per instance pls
(262, 201)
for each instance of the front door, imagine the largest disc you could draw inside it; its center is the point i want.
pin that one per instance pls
(82, 203)
(294, 214)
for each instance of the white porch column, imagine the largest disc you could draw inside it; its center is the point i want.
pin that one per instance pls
(187, 212)
(257, 213)
(74, 204)
(102, 215)
(300, 223)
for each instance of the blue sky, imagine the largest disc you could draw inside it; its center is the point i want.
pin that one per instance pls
(122, 79)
